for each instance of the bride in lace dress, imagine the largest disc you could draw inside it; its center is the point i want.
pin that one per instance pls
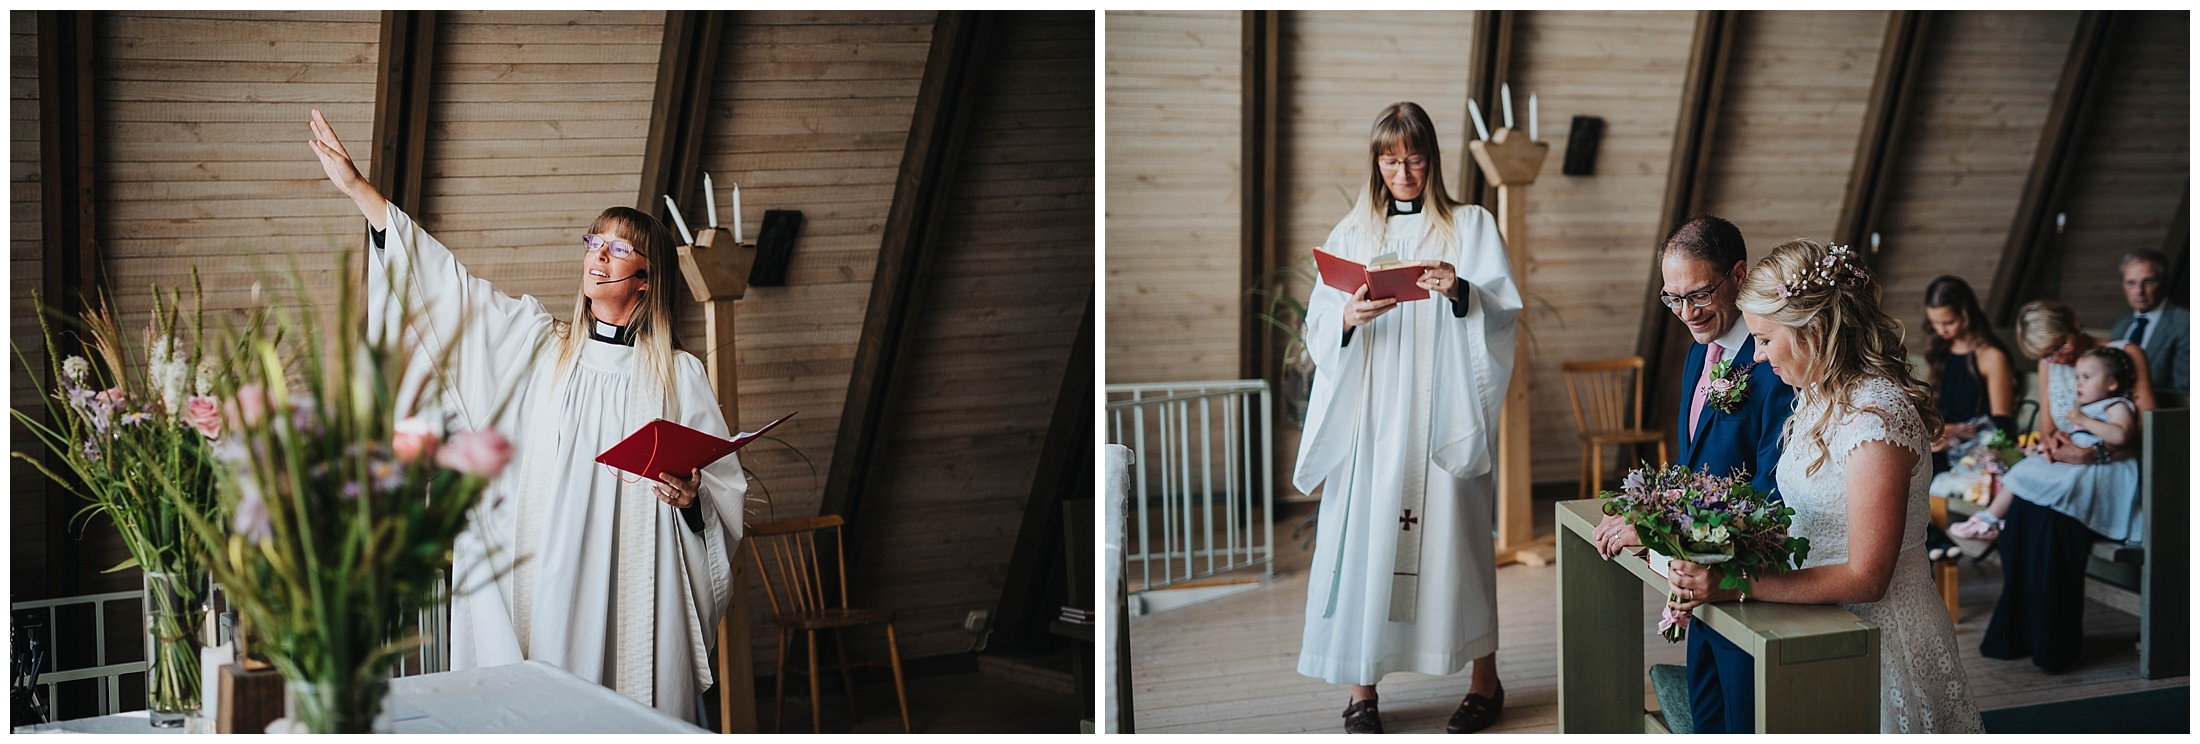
(1854, 466)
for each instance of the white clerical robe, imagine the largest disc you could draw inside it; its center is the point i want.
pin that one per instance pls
(567, 561)
(1402, 429)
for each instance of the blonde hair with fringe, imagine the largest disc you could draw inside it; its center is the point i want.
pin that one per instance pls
(1841, 332)
(651, 324)
(1404, 125)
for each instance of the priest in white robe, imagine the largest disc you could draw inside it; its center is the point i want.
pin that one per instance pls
(1401, 434)
(617, 579)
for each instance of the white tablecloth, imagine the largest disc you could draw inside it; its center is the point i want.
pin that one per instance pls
(525, 698)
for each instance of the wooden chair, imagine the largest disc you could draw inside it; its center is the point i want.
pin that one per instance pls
(1607, 413)
(793, 577)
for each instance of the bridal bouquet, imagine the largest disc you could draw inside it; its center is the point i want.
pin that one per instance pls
(1707, 519)
(132, 433)
(344, 509)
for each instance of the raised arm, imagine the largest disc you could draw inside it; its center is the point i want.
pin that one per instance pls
(344, 174)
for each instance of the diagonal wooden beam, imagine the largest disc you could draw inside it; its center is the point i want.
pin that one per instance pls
(915, 220)
(1660, 342)
(1257, 183)
(1489, 65)
(687, 72)
(1901, 56)
(71, 268)
(402, 87)
(2175, 245)
(1065, 473)
(2029, 255)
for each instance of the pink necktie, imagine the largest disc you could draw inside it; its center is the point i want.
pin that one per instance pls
(1695, 410)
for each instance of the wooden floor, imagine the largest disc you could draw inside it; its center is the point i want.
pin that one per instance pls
(1229, 665)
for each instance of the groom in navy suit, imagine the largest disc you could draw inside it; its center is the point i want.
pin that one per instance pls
(1702, 263)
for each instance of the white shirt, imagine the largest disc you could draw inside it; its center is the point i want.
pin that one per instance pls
(1731, 343)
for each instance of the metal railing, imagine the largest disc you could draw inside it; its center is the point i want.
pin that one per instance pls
(433, 655)
(1197, 444)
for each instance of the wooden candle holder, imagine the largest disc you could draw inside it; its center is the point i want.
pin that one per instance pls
(717, 268)
(1511, 162)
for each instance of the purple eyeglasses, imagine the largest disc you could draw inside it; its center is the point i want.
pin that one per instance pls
(619, 248)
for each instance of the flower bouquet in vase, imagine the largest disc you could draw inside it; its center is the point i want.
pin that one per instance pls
(343, 509)
(131, 435)
(1708, 520)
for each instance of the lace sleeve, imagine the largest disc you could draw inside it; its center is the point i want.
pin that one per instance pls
(1882, 414)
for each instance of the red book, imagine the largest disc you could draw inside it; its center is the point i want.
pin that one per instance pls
(662, 446)
(1401, 281)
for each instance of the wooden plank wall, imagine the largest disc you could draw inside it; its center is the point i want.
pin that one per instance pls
(1792, 114)
(1173, 100)
(26, 489)
(202, 161)
(1981, 100)
(811, 112)
(2135, 165)
(536, 123)
(1593, 237)
(1005, 292)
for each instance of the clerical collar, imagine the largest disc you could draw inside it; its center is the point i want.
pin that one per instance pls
(613, 334)
(1404, 207)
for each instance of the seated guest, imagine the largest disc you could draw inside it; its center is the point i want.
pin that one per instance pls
(2154, 324)
(1967, 364)
(2059, 510)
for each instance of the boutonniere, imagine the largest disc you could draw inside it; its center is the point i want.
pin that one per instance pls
(1728, 387)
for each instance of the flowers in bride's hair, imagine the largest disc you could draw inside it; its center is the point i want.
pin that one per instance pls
(415, 438)
(75, 368)
(1782, 290)
(204, 413)
(481, 452)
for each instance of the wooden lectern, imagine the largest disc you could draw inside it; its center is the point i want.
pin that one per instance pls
(1510, 161)
(717, 273)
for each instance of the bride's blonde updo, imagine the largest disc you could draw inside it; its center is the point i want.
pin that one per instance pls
(1842, 336)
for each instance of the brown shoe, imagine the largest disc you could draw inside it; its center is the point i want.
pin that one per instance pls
(1476, 713)
(1361, 718)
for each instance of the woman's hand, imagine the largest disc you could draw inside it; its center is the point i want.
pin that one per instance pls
(1694, 586)
(676, 491)
(1440, 278)
(1360, 310)
(337, 165)
(1612, 535)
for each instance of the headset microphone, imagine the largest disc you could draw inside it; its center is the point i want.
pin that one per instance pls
(638, 274)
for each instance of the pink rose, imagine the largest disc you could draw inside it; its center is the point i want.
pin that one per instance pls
(249, 408)
(481, 452)
(413, 439)
(1722, 385)
(204, 413)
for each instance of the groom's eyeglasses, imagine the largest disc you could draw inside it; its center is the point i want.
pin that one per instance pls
(1700, 298)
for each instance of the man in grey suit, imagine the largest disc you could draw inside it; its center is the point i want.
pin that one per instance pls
(2155, 325)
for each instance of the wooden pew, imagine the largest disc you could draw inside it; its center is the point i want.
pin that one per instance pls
(2158, 569)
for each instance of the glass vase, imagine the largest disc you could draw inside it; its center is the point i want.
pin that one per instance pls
(175, 615)
(338, 708)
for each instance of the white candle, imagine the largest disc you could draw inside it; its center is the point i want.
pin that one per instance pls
(683, 225)
(1480, 129)
(737, 214)
(1505, 96)
(710, 200)
(1531, 118)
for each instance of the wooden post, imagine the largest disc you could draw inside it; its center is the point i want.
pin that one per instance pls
(717, 273)
(1510, 162)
